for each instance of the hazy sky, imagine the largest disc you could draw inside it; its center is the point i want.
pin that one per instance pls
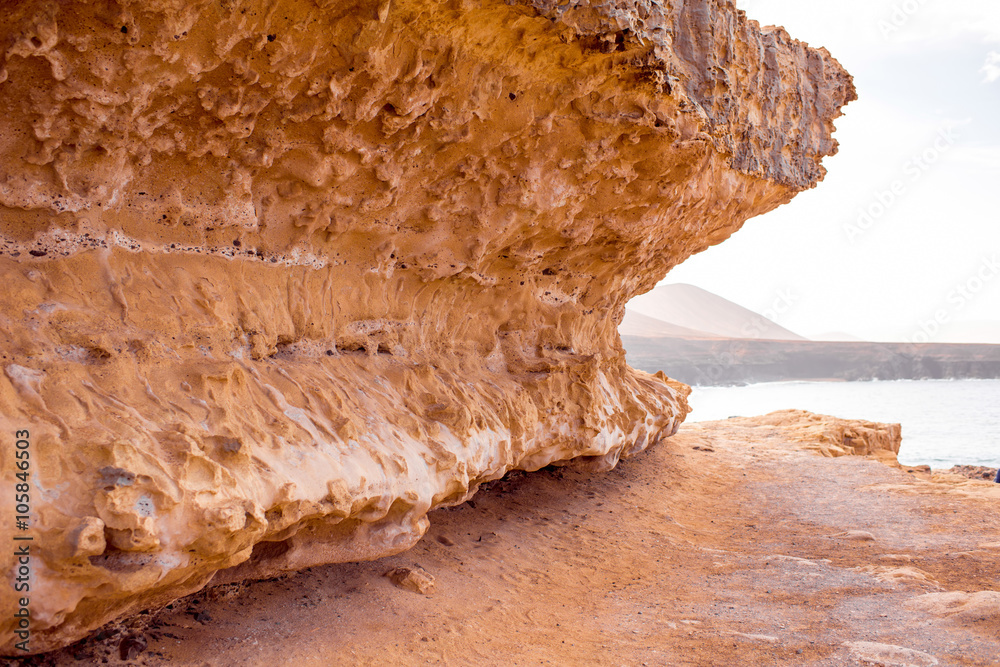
(905, 230)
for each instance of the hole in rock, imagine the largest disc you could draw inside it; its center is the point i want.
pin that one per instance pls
(115, 560)
(231, 445)
(98, 354)
(265, 551)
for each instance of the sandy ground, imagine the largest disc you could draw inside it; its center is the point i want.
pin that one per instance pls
(725, 545)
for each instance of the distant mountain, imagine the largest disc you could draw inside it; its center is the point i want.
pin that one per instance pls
(636, 324)
(692, 312)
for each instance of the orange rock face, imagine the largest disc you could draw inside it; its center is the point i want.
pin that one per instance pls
(832, 436)
(279, 278)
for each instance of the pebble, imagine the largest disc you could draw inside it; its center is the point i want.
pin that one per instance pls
(131, 647)
(856, 535)
(414, 579)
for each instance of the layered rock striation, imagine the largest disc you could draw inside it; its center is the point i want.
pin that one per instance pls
(279, 278)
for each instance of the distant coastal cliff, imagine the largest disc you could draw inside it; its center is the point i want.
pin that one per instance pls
(738, 361)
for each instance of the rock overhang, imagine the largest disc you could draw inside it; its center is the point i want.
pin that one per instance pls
(280, 279)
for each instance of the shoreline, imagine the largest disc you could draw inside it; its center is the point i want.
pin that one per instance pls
(905, 464)
(945, 422)
(735, 361)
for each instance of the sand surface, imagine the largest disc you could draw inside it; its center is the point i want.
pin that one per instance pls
(725, 545)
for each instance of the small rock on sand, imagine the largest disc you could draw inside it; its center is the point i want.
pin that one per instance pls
(757, 638)
(856, 536)
(887, 655)
(971, 607)
(131, 647)
(900, 573)
(414, 579)
(973, 472)
(896, 558)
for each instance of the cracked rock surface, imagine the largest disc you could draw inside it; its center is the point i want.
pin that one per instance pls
(279, 278)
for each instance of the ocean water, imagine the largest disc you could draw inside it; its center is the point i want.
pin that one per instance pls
(945, 422)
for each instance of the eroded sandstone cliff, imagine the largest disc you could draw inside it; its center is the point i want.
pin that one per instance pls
(278, 278)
